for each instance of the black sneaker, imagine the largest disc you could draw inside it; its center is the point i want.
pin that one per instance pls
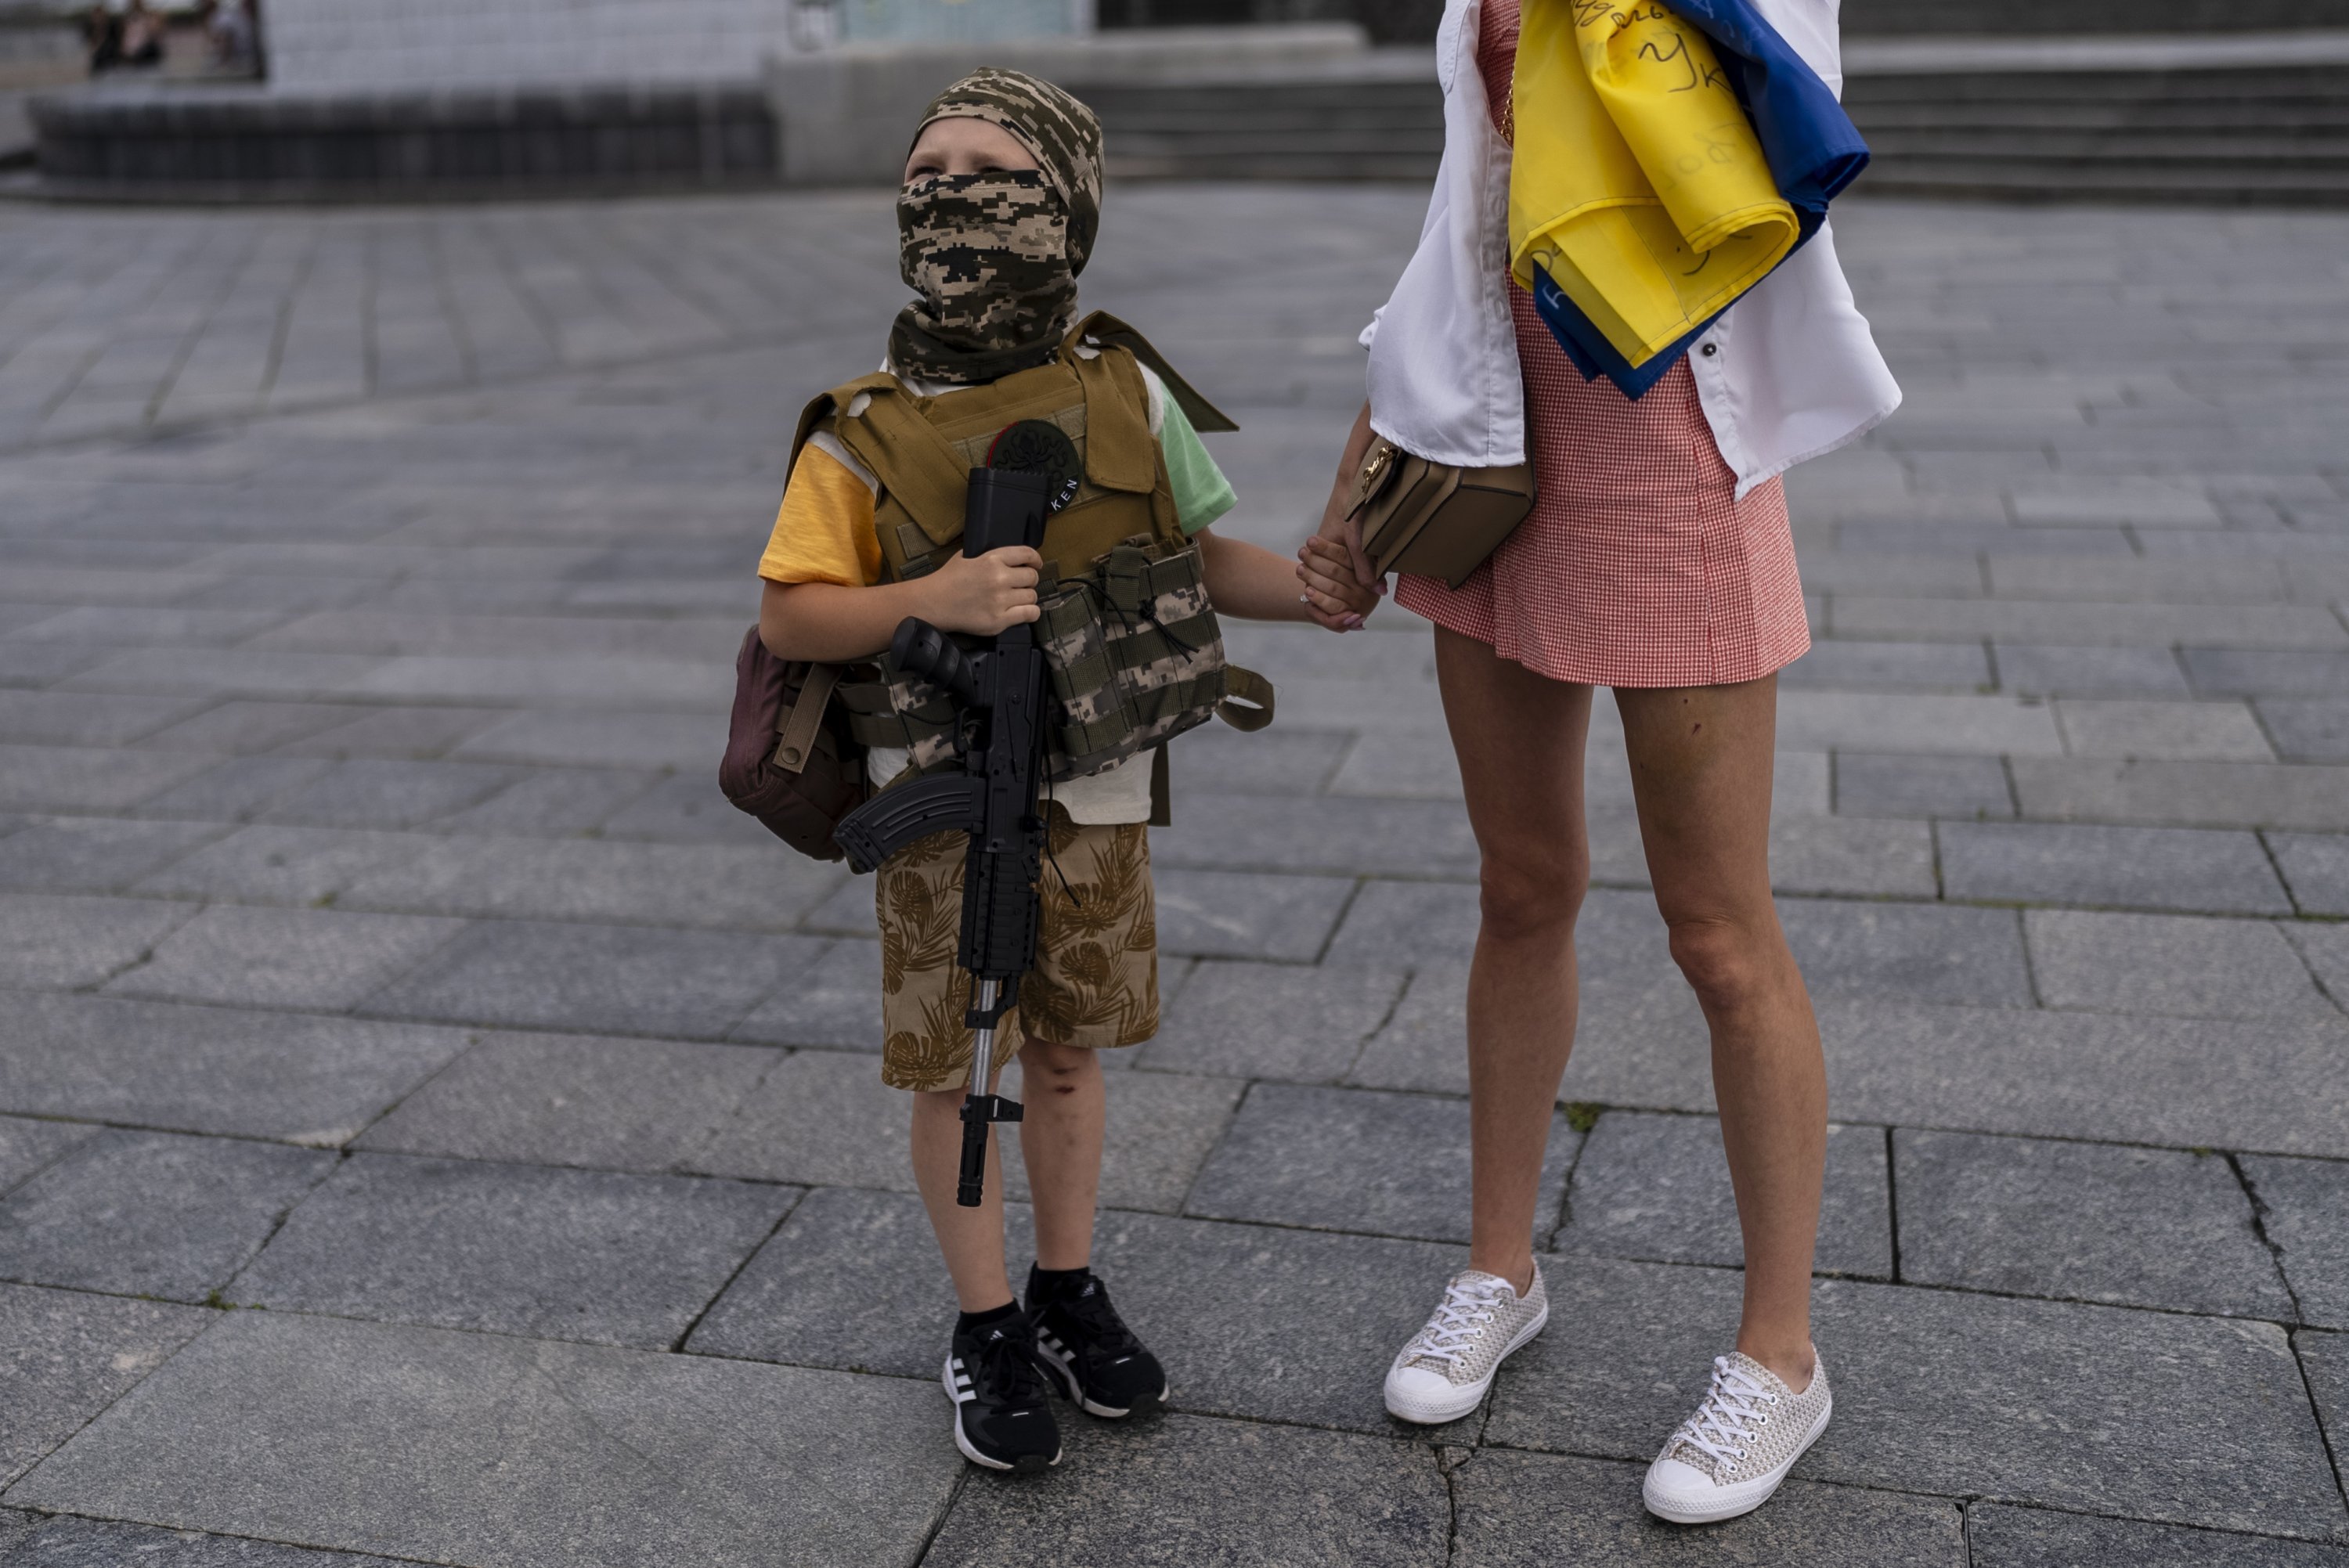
(1003, 1410)
(1081, 1339)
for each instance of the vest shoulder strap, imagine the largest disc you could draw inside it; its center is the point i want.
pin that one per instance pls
(1111, 333)
(824, 405)
(916, 463)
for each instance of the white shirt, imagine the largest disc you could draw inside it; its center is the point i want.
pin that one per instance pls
(1789, 372)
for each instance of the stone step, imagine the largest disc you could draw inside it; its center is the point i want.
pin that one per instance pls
(2238, 117)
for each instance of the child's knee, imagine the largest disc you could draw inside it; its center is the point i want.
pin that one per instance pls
(1063, 1069)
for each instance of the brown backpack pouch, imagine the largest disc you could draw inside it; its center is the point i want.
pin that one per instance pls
(789, 758)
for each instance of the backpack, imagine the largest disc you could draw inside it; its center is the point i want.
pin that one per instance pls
(790, 761)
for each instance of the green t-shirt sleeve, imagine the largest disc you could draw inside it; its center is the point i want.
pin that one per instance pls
(1202, 493)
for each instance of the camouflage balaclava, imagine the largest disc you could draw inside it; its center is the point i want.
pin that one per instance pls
(994, 257)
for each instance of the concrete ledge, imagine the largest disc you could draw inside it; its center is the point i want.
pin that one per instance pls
(845, 116)
(219, 142)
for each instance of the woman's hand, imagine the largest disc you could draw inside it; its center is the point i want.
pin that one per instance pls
(1333, 596)
(982, 594)
(1340, 529)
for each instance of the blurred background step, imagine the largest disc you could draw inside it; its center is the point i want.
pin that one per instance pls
(2220, 118)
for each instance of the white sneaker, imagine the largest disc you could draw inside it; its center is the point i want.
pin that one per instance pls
(1442, 1373)
(1728, 1458)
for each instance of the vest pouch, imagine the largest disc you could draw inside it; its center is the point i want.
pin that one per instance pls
(1135, 654)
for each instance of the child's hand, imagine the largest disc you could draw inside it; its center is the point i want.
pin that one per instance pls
(982, 594)
(1335, 597)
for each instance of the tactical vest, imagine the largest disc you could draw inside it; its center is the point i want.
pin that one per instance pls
(1135, 653)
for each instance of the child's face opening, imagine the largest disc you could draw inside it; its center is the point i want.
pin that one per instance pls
(964, 146)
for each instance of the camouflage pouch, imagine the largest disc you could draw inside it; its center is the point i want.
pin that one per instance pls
(1135, 653)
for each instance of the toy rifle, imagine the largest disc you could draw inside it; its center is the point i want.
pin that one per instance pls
(1002, 691)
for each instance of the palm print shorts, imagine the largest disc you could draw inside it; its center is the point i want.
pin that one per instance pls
(1095, 983)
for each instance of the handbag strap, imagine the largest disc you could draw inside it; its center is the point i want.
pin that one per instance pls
(795, 733)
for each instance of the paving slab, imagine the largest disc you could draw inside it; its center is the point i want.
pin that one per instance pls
(93, 854)
(301, 866)
(583, 879)
(2315, 867)
(1161, 1129)
(2324, 1357)
(59, 1542)
(2308, 729)
(2209, 731)
(70, 1355)
(2039, 669)
(312, 959)
(2260, 1084)
(1271, 1021)
(2082, 1222)
(2191, 793)
(1825, 855)
(28, 1147)
(299, 1079)
(1891, 667)
(477, 1449)
(69, 718)
(87, 778)
(1323, 833)
(569, 1100)
(394, 733)
(553, 803)
(1894, 784)
(602, 738)
(2001, 1536)
(244, 727)
(240, 789)
(389, 792)
(1186, 1490)
(686, 809)
(1357, 1160)
(599, 1256)
(2301, 1204)
(2179, 964)
(1248, 915)
(65, 941)
(1532, 1510)
(1398, 926)
(822, 1117)
(1657, 1187)
(152, 1214)
(1299, 1327)
(834, 1000)
(2254, 672)
(620, 979)
(2005, 1401)
(2080, 863)
(1923, 952)
(853, 1281)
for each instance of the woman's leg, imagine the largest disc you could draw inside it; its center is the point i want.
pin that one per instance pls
(1700, 762)
(1519, 738)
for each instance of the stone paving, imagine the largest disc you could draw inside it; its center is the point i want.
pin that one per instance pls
(437, 1129)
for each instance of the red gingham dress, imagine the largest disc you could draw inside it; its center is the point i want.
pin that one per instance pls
(1638, 566)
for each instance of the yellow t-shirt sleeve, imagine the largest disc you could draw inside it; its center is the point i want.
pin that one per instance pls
(823, 530)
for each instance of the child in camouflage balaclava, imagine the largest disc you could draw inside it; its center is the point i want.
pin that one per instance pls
(998, 214)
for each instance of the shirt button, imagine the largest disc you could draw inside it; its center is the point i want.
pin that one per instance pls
(1711, 350)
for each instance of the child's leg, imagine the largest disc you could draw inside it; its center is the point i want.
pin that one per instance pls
(1061, 1139)
(971, 1239)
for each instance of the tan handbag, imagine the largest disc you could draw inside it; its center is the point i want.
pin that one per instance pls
(1432, 519)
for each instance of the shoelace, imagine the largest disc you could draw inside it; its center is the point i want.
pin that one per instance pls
(1468, 1305)
(1103, 1329)
(1004, 1367)
(1733, 1408)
